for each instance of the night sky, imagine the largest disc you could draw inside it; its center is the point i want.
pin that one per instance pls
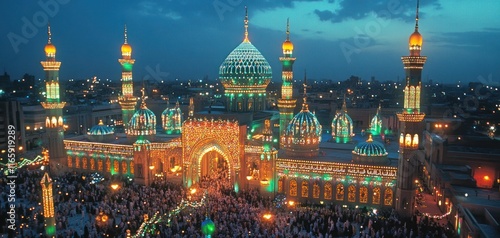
(188, 39)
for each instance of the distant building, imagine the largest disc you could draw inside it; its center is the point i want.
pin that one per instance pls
(11, 119)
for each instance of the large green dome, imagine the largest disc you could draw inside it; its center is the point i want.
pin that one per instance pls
(245, 66)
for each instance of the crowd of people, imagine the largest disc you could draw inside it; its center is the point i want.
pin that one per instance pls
(81, 205)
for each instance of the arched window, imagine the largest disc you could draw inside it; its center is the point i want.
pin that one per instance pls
(376, 195)
(351, 195)
(92, 163)
(108, 165)
(77, 162)
(408, 140)
(363, 194)
(328, 191)
(339, 195)
(388, 197)
(316, 190)
(280, 185)
(124, 167)
(415, 141)
(132, 167)
(116, 166)
(70, 161)
(293, 187)
(305, 189)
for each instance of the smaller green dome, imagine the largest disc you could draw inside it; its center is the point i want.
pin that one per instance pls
(143, 122)
(100, 129)
(370, 148)
(207, 227)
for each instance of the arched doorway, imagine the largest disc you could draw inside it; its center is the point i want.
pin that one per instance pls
(213, 166)
(210, 161)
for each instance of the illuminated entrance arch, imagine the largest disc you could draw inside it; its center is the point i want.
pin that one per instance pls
(204, 140)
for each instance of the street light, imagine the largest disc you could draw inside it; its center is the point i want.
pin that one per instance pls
(115, 186)
(267, 216)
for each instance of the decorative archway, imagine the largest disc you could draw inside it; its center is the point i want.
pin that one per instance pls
(201, 136)
(194, 169)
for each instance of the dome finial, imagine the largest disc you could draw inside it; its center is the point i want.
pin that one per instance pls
(416, 16)
(370, 138)
(100, 122)
(49, 34)
(125, 33)
(246, 25)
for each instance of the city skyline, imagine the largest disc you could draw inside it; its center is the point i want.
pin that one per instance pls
(189, 41)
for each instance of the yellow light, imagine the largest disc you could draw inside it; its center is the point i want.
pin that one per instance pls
(151, 167)
(486, 177)
(114, 186)
(193, 191)
(267, 216)
(249, 177)
(291, 203)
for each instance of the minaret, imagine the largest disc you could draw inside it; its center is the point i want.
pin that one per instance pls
(48, 206)
(127, 99)
(53, 104)
(410, 124)
(286, 104)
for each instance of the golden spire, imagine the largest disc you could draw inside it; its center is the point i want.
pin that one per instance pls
(143, 98)
(370, 138)
(125, 33)
(416, 16)
(304, 105)
(100, 122)
(246, 25)
(288, 29)
(49, 34)
(344, 105)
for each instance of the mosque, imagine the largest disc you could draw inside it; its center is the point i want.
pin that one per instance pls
(275, 152)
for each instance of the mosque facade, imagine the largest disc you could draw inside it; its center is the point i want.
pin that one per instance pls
(304, 166)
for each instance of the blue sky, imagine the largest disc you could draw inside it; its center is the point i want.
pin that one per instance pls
(189, 39)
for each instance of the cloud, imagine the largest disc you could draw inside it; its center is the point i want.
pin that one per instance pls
(148, 8)
(356, 10)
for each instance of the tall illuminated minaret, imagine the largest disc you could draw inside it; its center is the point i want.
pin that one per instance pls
(286, 104)
(53, 105)
(127, 99)
(410, 124)
(48, 206)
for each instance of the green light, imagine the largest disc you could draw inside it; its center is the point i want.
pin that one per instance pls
(50, 230)
(127, 67)
(270, 187)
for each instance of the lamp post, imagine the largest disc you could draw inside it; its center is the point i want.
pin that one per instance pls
(151, 167)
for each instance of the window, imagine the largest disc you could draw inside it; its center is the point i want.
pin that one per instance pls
(363, 194)
(293, 187)
(328, 190)
(316, 190)
(305, 189)
(388, 197)
(351, 195)
(340, 192)
(376, 195)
